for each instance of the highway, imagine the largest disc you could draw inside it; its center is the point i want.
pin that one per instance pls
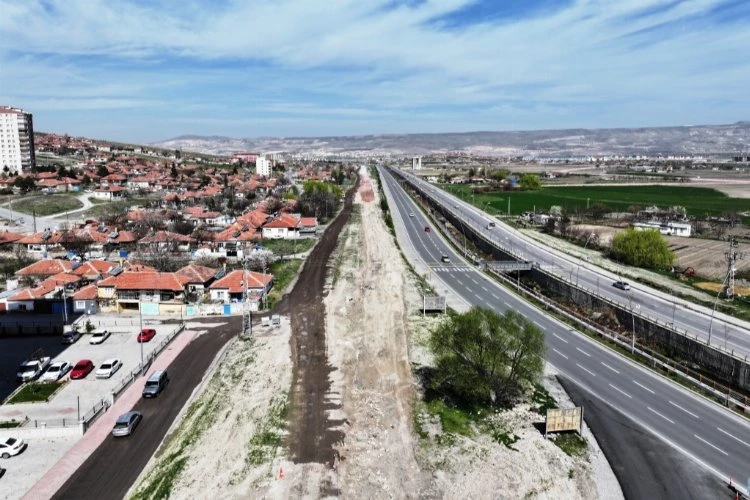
(709, 434)
(690, 318)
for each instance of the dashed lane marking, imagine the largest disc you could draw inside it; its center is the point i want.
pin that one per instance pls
(643, 387)
(586, 370)
(683, 409)
(662, 416)
(561, 354)
(583, 352)
(734, 437)
(696, 436)
(607, 366)
(560, 338)
(620, 391)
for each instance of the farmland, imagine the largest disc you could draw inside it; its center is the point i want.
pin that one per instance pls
(698, 201)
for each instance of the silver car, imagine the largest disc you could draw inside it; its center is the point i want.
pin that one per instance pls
(126, 423)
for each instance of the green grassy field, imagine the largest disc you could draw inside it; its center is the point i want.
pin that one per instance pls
(698, 201)
(46, 205)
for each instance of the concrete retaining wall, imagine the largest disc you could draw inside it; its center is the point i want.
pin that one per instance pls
(42, 430)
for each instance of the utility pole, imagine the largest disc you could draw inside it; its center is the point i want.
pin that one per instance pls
(732, 256)
(509, 206)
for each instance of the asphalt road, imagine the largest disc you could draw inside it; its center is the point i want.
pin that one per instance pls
(697, 428)
(725, 331)
(112, 469)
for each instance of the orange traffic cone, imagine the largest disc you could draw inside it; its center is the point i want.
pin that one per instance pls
(281, 473)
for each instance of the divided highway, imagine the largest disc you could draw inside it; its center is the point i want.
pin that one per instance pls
(690, 318)
(704, 431)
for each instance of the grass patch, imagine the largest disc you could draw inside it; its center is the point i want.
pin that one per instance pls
(453, 420)
(697, 200)
(10, 424)
(266, 440)
(572, 443)
(543, 400)
(47, 205)
(284, 271)
(289, 247)
(35, 392)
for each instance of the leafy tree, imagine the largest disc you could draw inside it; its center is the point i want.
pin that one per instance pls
(471, 173)
(487, 359)
(499, 174)
(85, 180)
(530, 182)
(319, 199)
(642, 248)
(597, 211)
(173, 171)
(102, 171)
(25, 184)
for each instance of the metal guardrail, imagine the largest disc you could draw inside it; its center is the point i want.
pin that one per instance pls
(91, 415)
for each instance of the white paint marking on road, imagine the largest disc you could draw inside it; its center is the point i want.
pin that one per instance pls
(507, 305)
(662, 416)
(582, 351)
(478, 297)
(496, 297)
(643, 387)
(537, 324)
(620, 391)
(459, 282)
(734, 437)
(561, 354)
(607, 366)
(683, 409)
(559, 337)
(586, 370)
(485, 289)
(696, 436)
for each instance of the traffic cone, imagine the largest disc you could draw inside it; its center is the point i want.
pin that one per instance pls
(281, 473)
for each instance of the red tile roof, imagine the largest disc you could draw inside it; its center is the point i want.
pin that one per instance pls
(46, 267)
(233, 281)
(86, 293)
(129, 280)
(195, 274)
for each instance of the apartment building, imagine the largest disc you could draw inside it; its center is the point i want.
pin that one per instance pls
(263, 166)
(16, 140)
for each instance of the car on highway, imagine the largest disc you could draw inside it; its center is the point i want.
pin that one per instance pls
(155, 384)
(146, 335)
(56, 371)
(622, 285)
(108, 368)
(99, 336)
(445, 258)
(427, 229)
(81, 369)
(411, 214)
(490, 225)
(10, 447)
(126, 423)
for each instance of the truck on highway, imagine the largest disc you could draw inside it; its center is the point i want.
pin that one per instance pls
(33, 366)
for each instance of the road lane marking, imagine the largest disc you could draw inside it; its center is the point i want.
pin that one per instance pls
(733, 437)
(620, 391)
(561, 354)
(683, 409)
(643, 387)
(696, 436)
(537, 324)
(607, 366)
(662, 416)
(586, 370)
(496, 297)
(584, 352)
(507, 305)
(478, 297)
(485, 289)
(559, 337)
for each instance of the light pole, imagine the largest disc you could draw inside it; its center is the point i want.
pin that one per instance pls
(140, 331)
(716, 302)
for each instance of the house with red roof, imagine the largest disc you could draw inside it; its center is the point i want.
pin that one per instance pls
(162, 293)
(197, 279)
(231, 287)
(284, 227)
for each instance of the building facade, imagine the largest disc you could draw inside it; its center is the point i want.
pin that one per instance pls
(16, 140)
(263, 166)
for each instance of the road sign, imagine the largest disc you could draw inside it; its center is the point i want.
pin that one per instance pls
(564, 419)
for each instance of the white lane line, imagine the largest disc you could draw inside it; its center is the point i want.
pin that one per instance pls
(485, 289)
(582, 351)
(561, 354)
(620, 391)
(733, 437)
(662, 416)
(537, 324)
(683, 409)
(560, 338)
(696, 436)
(496, 297)
(607, 366)
(586, 370)
(643, 387)
(507, 305)
(478, 297)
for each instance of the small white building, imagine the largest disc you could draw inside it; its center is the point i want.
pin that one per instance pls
(666, 228)
(263, 166)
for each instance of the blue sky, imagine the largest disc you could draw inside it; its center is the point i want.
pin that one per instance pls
(145, 71)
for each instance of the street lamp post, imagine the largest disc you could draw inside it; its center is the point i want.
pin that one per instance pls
(140, 331)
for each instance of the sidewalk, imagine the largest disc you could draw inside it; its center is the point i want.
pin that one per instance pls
(53, 480)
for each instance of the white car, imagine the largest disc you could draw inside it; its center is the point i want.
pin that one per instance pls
(99, 336)
(10, 447)
(108, 368)
(56, 371)
(411, 214)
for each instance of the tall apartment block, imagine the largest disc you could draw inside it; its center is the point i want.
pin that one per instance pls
(16, 140)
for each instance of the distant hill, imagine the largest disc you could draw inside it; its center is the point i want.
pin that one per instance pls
(699, 139)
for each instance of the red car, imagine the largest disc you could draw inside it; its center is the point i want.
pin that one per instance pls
(427, 229)
(146, 335)
(81, 369)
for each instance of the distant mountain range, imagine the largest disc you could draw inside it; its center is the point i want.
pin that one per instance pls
(700, 139)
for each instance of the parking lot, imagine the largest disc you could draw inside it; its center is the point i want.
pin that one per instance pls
(77, 397)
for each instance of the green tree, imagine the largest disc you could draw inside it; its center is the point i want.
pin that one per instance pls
(642, 249)
(25, 184)
(499, 174)
(102, 171)
(487, 359)
(530, 182)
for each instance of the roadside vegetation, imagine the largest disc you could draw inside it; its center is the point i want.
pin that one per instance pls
(647, 249)
(35, 392)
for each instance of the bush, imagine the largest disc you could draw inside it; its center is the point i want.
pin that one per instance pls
(646, 249)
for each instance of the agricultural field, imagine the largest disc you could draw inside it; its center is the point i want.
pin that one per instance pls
(698, 201)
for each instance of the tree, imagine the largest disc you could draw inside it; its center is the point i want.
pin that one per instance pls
(642, 249)
(102, 171)
(486, 359)
(25, 184)
(530, 182)
(499, 174)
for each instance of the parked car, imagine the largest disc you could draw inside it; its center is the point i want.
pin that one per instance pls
(33, 367)
(622, 285)
(10, 447)
(81, 369)
(126, 423)
(108, 368)
(155, 384)
(146, 334)
(70, 335)
(99, 336)
(56, 371)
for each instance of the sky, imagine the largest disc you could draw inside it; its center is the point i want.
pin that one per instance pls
(145, 71)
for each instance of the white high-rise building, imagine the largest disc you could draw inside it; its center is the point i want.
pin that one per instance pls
(263, 166)
(416, 163)
(16, 140)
